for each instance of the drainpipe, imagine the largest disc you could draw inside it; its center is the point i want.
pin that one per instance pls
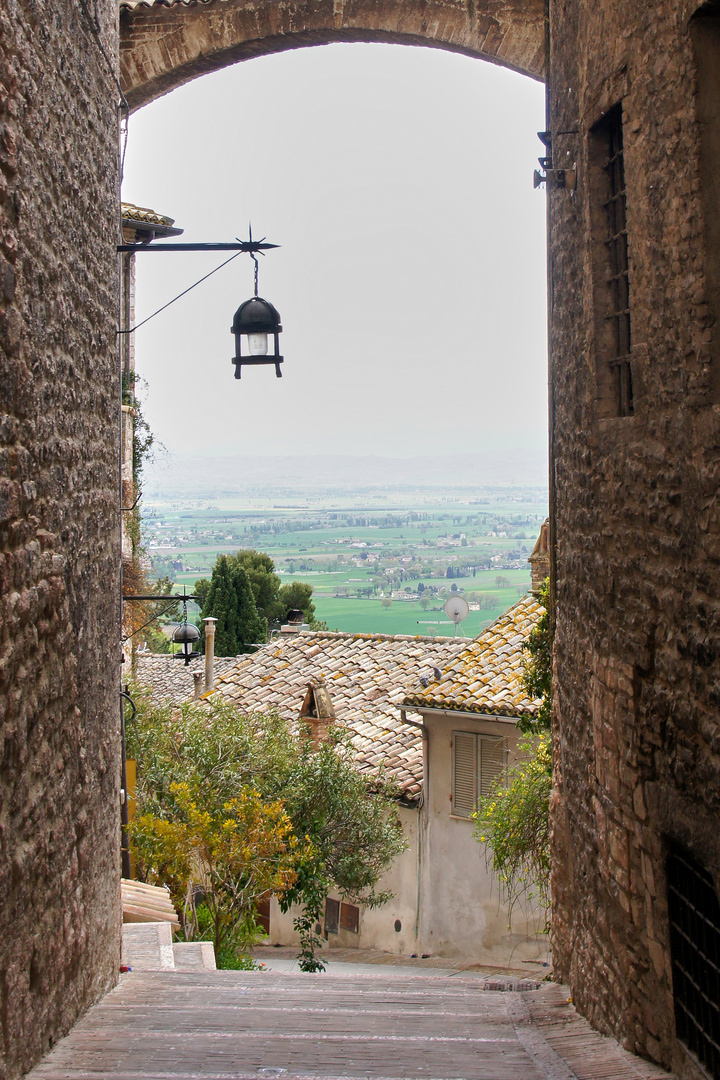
(209, 653)
(425, 804)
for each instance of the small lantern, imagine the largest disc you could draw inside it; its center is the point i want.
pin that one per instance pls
(254, 320)
(186, 635)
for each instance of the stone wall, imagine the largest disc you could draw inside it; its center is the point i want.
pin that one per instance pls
(637, 518)
(59, 529)
(165, 43)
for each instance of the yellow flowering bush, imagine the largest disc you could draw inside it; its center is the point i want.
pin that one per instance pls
(236, 852)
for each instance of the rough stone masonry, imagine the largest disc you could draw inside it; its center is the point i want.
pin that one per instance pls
(636, 452)
(59, 535)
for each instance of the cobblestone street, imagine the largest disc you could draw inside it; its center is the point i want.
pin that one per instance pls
(383, 1026)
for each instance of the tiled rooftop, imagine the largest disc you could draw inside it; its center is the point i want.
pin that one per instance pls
(148, 217)
(367, 677)
(487, 675)
(133, 5)
(170, 680)
(370, 677)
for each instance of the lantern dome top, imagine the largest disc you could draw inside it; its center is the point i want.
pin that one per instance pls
(256, 316)
(185, 633)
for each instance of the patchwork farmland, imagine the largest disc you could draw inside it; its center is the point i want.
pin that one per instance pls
(378, 563)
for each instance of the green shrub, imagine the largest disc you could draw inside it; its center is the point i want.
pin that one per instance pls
(512, 822)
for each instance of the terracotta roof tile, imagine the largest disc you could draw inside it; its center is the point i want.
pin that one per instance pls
(135, 5)
(169, 679)
(142, 214)
(370, 676)
(487, 675)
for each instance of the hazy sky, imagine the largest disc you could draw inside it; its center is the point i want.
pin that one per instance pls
(411, 277)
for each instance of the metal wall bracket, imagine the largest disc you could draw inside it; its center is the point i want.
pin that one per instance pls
(556, 178)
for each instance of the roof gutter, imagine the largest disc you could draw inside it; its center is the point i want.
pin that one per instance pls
(413, 723)
(460, 714)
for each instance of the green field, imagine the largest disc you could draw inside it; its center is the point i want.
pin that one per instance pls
(362, 616)
(357, 556)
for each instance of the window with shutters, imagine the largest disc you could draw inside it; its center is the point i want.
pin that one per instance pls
(332, 916)
(478, 761)
(350, 918)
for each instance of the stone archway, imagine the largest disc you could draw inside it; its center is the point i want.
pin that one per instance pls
(165, 43)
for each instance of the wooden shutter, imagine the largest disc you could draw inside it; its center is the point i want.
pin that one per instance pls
(350, 918)
(332, 916)
(464, 788)
(492, 760)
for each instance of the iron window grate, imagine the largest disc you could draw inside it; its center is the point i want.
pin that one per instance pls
(617, 246)
(694, 911)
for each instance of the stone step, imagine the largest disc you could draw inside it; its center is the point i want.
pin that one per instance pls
(148, 946)
(249, 1025)
(194, 955)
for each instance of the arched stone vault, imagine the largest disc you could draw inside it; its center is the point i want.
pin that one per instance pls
(165, 44)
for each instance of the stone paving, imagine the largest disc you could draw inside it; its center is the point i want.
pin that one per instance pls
(341, 961)
(234, 1025)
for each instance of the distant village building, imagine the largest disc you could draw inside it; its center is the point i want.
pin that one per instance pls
(540, 557)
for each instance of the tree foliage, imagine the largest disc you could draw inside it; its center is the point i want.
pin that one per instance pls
(265, 583)
(238, 851)
(272, 600)
(230, 600)
(219, 791)
(513, 824)
(354, 833)
(538, 665)
(296, 595)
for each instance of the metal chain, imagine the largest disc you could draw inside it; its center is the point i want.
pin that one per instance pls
(257, 265)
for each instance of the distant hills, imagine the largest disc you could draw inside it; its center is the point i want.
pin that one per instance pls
(520, 470)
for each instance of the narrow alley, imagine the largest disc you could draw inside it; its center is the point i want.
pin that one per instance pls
(387, 1024)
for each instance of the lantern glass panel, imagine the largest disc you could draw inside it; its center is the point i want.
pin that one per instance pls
(258, 344)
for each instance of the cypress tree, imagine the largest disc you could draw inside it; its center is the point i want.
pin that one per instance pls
(230, 600)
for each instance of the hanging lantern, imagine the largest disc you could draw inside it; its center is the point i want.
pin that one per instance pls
(256, 320)
(186, 635)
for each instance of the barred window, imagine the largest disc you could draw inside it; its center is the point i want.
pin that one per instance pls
(705, 37)
(612, 286)
(694, 912)
(478, 761)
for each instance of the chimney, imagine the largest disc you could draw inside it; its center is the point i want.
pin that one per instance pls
(540, 558)
(197, 678)
(209, 653)
(317, 713)
(294, 622)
